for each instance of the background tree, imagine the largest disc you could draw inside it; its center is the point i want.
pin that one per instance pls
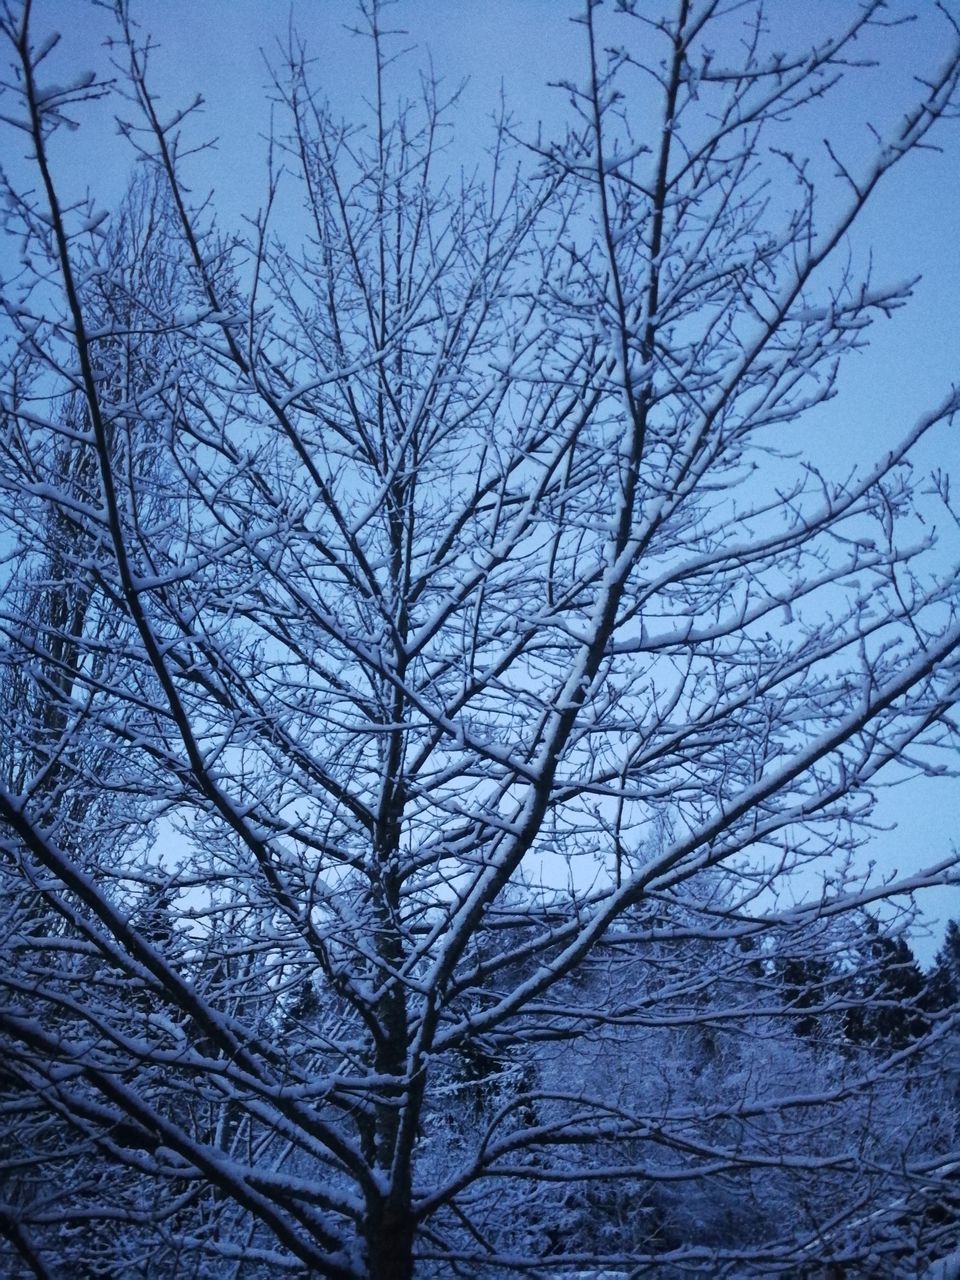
(493, 662)
(893, 990)
(63, 1181)
(945, 978)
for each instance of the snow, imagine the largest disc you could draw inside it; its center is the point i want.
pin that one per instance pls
(49, 92)
(947, 1268)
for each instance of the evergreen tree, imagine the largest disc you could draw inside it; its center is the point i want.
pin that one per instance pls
(887, 991)
(943, 984)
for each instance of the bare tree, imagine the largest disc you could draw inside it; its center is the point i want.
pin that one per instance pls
(489, 662)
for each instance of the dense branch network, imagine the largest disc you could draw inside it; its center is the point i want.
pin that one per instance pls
(430, 682)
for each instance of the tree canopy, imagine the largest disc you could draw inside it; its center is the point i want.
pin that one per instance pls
(441, 697)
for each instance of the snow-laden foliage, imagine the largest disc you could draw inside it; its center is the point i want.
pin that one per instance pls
(439, 695)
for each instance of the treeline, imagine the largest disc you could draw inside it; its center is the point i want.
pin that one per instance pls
(714, 1101)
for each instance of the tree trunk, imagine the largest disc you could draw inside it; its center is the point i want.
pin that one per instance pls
(390, 1243)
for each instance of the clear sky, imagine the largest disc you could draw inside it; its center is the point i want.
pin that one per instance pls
(218, 47)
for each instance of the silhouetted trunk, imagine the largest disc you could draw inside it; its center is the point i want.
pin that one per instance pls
(390, 1242)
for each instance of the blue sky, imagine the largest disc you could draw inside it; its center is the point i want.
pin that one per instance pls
(218, 46)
